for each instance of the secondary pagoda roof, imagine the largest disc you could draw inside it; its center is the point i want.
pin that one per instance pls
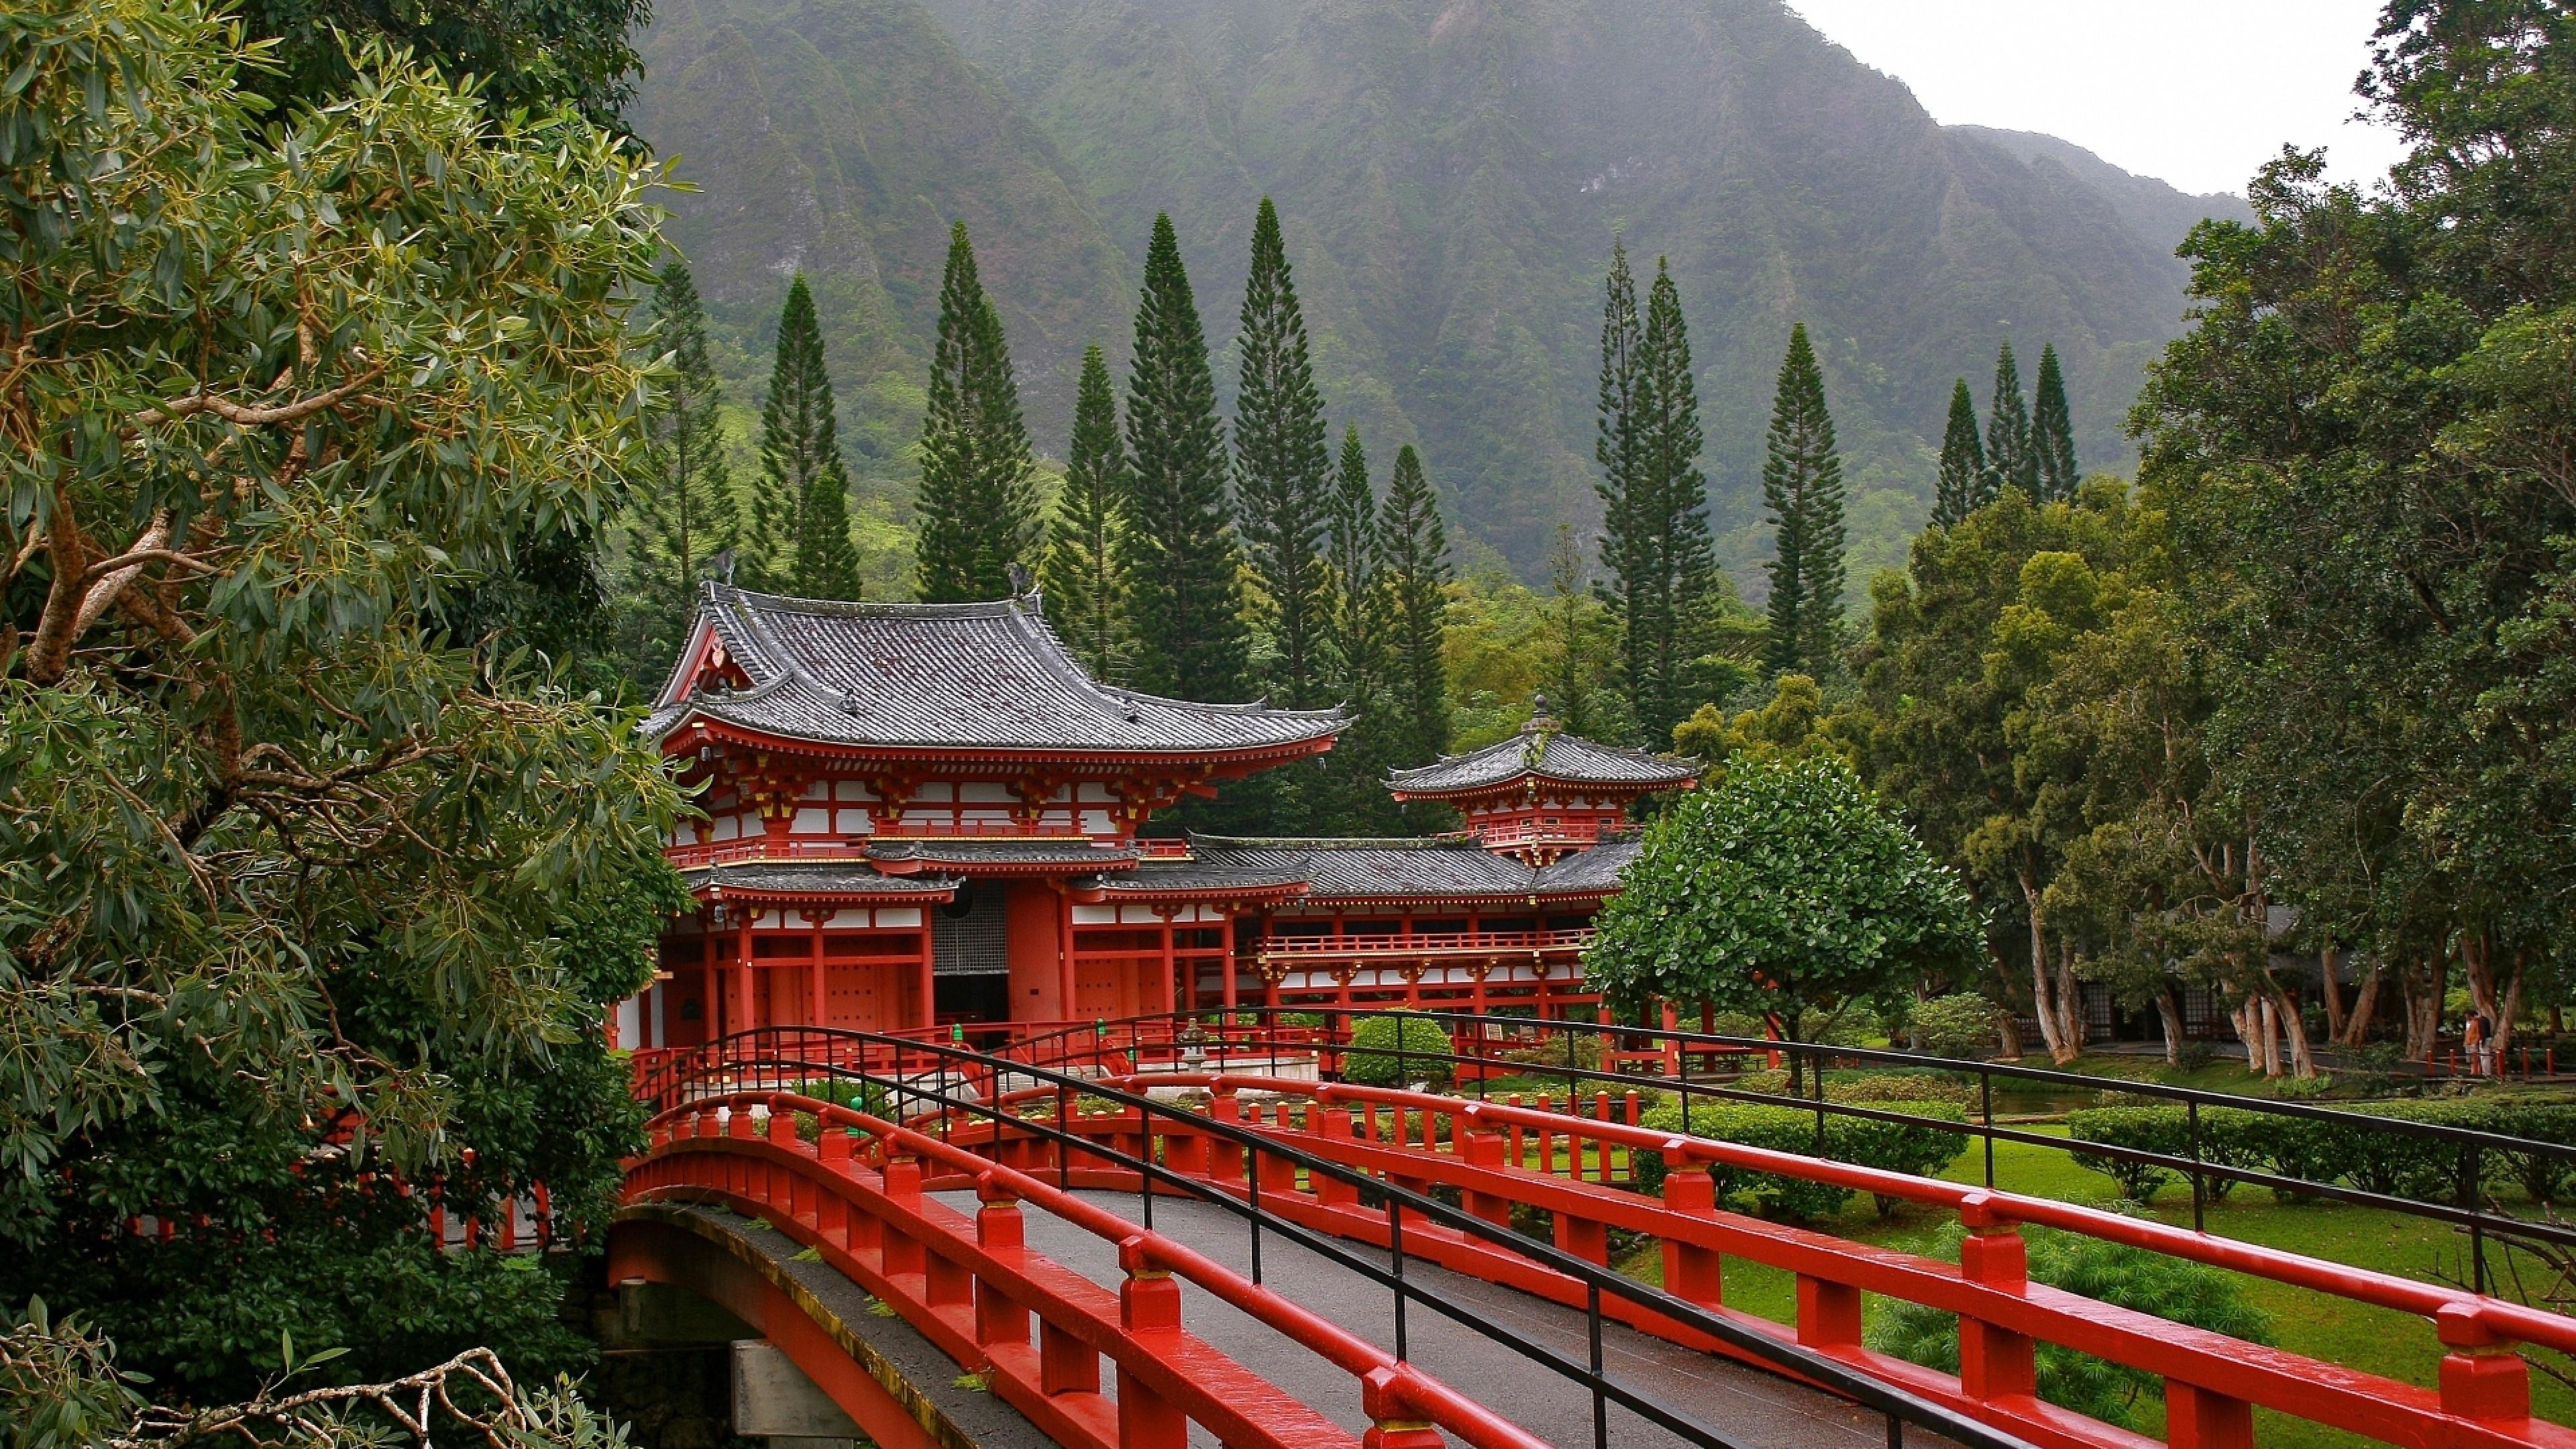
(817, 880)
(1445, 868)
(1543, 752)
(999, 857)
(944, 677)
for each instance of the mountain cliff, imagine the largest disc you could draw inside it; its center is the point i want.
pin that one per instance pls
(1451, 174)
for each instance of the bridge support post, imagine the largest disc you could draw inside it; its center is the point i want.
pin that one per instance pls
(1828, 1313)
(899, 1255)
(1334, 1123)
(1691, 1272)
(2196, 1418)
(1584, 1238)
(1149, 1307)
(1393, 1424)
(1484, 1149)
(1994, 1362)
(2482, 1377)
(1225, 1159)
(1000, 1231)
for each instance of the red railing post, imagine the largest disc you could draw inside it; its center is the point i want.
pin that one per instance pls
(1149, 1309)
(1393, 1424)
(1225, 1157)
(999, 1230)
(1994, 1362)
(1066, 1365)
(2197, 1418)
(1332, 1122)
(2482, 1377)
(1691, 1272)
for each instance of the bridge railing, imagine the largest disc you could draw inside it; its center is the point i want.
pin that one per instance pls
(1480, 1042)
(1091, 1133)
(2482, 1394)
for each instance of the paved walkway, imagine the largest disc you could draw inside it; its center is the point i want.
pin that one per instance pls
(1751, 1408)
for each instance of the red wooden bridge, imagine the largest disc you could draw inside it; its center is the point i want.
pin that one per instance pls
(1274, 1260)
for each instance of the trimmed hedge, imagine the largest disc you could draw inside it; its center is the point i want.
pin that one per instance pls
(2336, 1153)
(1919, 1148)
(1386, 1050)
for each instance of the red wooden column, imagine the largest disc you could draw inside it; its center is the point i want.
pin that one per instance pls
(1168, 994)
(742, 992)
(929, 999)
(814, 965)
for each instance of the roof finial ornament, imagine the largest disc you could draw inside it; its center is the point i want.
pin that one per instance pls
(1539, 718)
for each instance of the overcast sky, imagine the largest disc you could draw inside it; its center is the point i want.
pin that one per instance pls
(2196, 92)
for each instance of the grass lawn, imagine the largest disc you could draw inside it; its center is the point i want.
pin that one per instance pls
(2323, 1327)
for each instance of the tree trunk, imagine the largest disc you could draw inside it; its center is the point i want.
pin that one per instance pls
(2044, 1006)
(2008, 1032)
(2070, 1002)
(2365, 1008)
(2269, 1015)
(2499, 996)
(2169, 1012)
(2420, 981)
(2303, 1061)
(2247, 1018)
(2328, 959)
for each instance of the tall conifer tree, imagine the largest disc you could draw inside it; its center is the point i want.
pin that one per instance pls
(2009, 453)
(802, 513)
(1416, 552)
(979, 504)
(1669, 512)
(1802, 486)
(1085, 595)
(1964, 485)
(1282, 468)
(1630, 562)
(1182, 562)
(2052, 432)
(684, 512)
(1358, 644)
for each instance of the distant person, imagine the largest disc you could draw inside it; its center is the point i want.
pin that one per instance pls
(2473, 1037)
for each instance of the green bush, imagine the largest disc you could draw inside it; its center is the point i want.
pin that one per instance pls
(1578, 1049)
(2340, 1152)
(1921, 1148)
(1962, 1025)
(2132, 1278)
(1393, 1049)
(1902, 1087)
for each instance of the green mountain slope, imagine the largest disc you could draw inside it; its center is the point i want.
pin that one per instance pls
(1451, 173)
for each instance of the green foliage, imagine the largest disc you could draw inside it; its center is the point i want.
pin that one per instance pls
(1961, 1024)
(1965, 484)
(800, 513)
(1395, 1049)
(2133, 1278)
(520, 55)
(1282, 471)
(1917, 1147)
(2012, 454)
(978, 507)
(300, 894)
(1802, 487)
(2327, 1151)
(1792, 722)
(1785, 891)
(1415, 555)
(2052, 432)
(1086, 595)
(1347, 795)
(682, 510)
(1183, 566)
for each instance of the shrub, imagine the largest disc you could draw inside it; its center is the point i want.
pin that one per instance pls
(1921, 1148)
(1389, 1050)
(1578, 1049)
(1961, 1025)
(1902, 1087)
(2132, 1278)
(2334, 1150)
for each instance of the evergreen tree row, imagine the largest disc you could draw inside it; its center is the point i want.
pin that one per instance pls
(2026, 445)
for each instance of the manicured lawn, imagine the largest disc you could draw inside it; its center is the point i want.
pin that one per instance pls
(2331, 1329)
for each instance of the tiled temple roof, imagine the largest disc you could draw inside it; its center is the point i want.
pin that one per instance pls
(1549, 754)
(1590, 872)
(816, 878)
(1200, 877)
(1048, 856)
(1447, 868)
(989, 676)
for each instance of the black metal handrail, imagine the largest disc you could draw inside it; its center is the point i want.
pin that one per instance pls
(768, 1057)
(2469, 1211)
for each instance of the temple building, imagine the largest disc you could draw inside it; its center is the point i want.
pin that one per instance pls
(918, 814)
